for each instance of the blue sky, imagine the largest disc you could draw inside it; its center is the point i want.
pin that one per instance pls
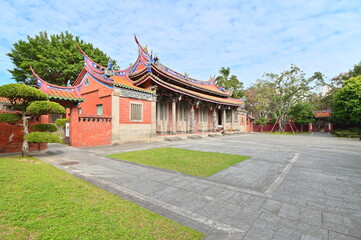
(200, 37)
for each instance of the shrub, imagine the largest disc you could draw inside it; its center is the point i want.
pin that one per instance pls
(60, 122)
(42, 137)
(261, 121)
(347, 132)
(44, 107)
(9, 117)
(44, 127)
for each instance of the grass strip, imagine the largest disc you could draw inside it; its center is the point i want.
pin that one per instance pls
(196, 163)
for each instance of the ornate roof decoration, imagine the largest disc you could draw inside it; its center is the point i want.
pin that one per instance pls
(58, 92)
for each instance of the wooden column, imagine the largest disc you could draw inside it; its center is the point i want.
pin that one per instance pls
(215, 125)
(174, 120)
(158, 121)
(192, 121)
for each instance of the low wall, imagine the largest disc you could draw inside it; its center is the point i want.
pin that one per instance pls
(268, 128)
(132, 132)
(12, 137)
(91, 130)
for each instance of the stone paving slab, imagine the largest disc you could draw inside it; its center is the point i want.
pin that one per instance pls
(317, 196)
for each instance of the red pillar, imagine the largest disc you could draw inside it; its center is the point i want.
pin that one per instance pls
(74, 122)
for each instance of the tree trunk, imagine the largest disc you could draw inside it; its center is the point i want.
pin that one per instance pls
(25, 151)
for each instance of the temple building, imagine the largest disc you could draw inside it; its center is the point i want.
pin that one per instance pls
(143, 101)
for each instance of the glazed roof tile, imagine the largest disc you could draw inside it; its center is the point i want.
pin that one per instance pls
(123, 81)
(4, 100)
(325, 114)
(63, 95)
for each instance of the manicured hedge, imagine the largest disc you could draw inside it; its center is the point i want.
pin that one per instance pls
(44, 107)
(42, 137)
(9, 117)
(43, 127)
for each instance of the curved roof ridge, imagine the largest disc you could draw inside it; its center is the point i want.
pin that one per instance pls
(52, 85)
(100, 69)
(185, 77)
(53, 91)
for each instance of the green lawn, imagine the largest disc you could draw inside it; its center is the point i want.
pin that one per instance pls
(196, 163)
(38, 201)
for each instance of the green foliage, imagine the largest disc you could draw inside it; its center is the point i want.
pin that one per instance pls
(261, 121)
(38, 108)
(347, 132)
(347, 102)
(230, 82)
(39, 201)
(197, 163)
(302, 112)
(259, 99)
(20, 95)
(55, 58)
(9, 118)
(279, 92)
(60, 122)
(44, 127)
(42, 137)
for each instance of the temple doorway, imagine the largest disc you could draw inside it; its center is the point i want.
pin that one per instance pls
(219, 117)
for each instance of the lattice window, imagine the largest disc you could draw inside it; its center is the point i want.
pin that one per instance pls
(136, 112)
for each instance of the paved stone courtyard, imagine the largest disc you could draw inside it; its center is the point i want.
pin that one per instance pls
(293, 187)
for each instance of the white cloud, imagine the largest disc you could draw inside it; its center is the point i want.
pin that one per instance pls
(200, 37)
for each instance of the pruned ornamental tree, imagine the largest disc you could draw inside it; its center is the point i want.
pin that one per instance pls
(346, 107)
(230, 82)
(31, 102)
(54, 57)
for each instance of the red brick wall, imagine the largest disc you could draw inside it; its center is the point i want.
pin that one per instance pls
(124, 110)
(89, 130)
(11, 138)
(92, 132)
(95, 94)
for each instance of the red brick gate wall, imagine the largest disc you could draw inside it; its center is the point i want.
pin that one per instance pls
(89, 130)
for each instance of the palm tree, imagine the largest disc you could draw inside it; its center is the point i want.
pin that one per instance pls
(230, 82)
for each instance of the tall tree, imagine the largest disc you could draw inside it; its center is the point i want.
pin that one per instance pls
(259, 97)
(31, 102)
(230, 82)
(347, 102)
(302, 112)
(289, 88)
(54, 57)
